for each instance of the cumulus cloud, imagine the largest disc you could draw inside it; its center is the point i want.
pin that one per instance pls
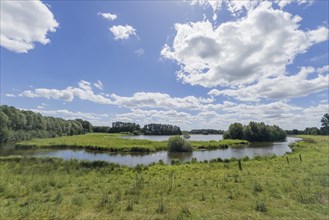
(280, 113)
(240, 52)
(281, 87)
(24, 23)
(83, 92)
(238, 6)
(99, 85)
(187, 112)
(122, 32)
(284, 3)
(160, 100)
(108, 16)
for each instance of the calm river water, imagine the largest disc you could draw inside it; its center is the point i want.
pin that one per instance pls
(132, 159)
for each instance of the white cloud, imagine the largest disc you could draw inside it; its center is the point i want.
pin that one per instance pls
(188, 112)
(137, 100)
(281, 87)
(10, 95)
(160, 100)
(323, 69)
(24, 23)
(108, 16)
(99, 85)
(240, 52)
(280, 113)
(66, 114)
(284, 3)
(139, 52)
(122, 32)
(84, 92)
(238, 6)
(49, 94)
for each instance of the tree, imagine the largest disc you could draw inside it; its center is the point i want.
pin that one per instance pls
(179, 144)
(325, 124)
(16, 125)
(235, 131)
(255, 131)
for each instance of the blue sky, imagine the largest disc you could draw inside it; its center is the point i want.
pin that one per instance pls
(196, 64)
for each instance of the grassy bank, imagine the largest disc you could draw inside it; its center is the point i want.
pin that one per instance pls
(266, 188)
(114, 142)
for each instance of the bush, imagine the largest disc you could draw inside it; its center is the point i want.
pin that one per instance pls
(136, 132)
(179, 144)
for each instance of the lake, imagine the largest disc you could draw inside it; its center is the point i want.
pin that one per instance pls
(194, 137)
(132, 159)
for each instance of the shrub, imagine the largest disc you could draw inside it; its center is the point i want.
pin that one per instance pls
(136, 132)
(179, 144)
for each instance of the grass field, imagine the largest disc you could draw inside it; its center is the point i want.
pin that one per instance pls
(266, 188)
(114, 142)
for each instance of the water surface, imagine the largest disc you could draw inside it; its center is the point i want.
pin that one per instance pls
(193, 137)
(132, 159)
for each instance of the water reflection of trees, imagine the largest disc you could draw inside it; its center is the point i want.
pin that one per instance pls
(182, 156)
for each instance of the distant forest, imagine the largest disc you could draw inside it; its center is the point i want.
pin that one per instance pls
(16, 125)
(149, 129)
(206, 131)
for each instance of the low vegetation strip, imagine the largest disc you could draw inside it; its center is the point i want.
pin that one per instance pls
(266, 188)
(115, 143)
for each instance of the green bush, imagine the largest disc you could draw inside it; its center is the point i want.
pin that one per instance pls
(136, 132)
(179, 144)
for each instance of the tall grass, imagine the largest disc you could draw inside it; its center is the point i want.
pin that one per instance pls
(115, 143)
(268, 188)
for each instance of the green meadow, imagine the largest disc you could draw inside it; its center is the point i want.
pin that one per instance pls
(295, 186)
(114, 142)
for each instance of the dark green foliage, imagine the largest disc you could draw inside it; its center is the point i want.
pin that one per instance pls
(206, 131)
(325, 124)
(255, 131)
(118, 127)
(312, 131)
(19, 125)
(235, 131)
(101, 129)
(179, 144)
(86, 125)
(136, 132)
(161, 129)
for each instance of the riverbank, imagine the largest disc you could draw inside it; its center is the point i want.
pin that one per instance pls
(115, 143)
(265, 188)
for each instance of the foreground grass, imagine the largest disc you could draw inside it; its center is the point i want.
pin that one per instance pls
(114, 142)
(265, 189)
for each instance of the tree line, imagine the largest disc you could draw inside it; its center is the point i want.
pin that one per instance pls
(255, 131)
(323, 130)
(206, 131)
(149, 129)
(16, 125)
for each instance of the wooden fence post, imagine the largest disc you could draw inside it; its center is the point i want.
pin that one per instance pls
(300, 157)
(240, 165)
